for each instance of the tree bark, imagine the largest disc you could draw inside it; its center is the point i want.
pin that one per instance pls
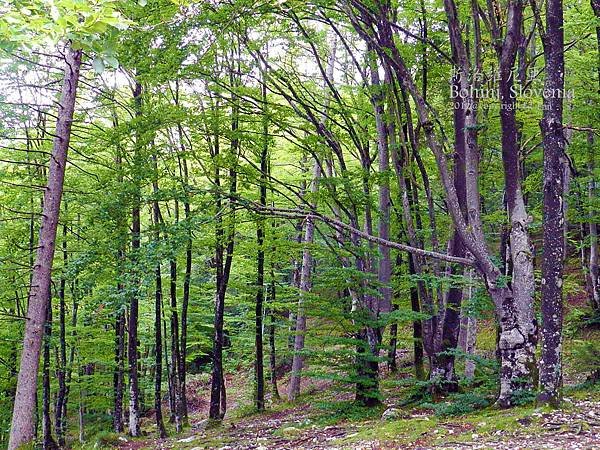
(158, 298)
(594, 263)
(553, 217)
(225, 242)
(23, 423)
(60, 408)
(259, 377)
(118, 378)
(48, 442)
(132, 344)
(518, 330)
(305, 283)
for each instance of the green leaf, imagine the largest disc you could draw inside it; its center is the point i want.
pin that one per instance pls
(112, 62)
(98, 65)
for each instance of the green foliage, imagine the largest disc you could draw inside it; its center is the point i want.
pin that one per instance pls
(460, 404)
(586, 357)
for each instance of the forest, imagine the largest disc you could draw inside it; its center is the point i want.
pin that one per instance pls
(299, 224)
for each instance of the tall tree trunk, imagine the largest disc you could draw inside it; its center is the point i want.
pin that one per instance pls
(553, 220)
(305, 270)
(119, 369)
(175, 348)
(518, 332)
(259, 377)
(48, 442)
(158, 340)
(417, 326)
(305, 285)
(60, 408)
(470, 331)
(272, 349)
(132, 344)
(187, 278)
(75, 309)
(442, 371)
(118, 379)
(23, 423)
(225, 242)
(594, 263)
(160, 426)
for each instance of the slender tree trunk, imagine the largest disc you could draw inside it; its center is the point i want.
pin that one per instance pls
(119, 369)
(442, 371)
(553, 219)
(181, 370)
(160, 426)
(23, 423)
(259, 377)
(75, 309)
(158, 299)
(417, 327)
(594, 264)
(175, 379)
(132, 345)
(48, 442)
(470, 332)
(305, 285)
(272, 349)
(118, 379)
(307, 261)
(60, 408)
(224, 258)
(186, 295)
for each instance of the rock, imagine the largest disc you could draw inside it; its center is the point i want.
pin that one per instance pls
(202, 425)
(289, 431)
(391, 414)
(187, 439)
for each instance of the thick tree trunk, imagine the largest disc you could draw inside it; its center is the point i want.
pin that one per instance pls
(518, 331)
(23, 423)
(553, 220)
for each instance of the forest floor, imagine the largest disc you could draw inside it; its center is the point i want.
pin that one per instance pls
(326, 418)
